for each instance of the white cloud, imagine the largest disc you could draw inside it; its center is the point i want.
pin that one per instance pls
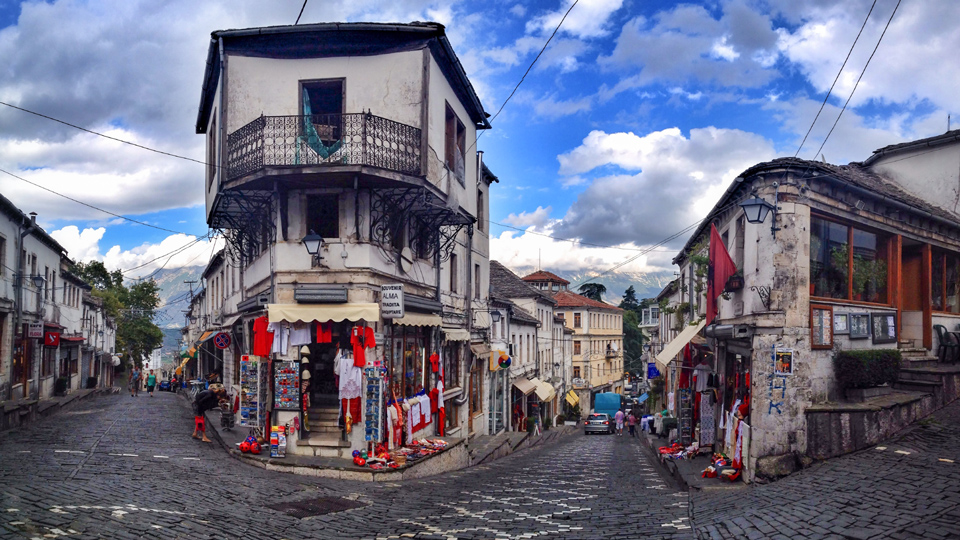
(174, 251)
(536, 218)
(518, 10)
(589, 19)
(678, 180)
(518, 250)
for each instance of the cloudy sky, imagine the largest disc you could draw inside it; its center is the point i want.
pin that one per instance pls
(626, 131)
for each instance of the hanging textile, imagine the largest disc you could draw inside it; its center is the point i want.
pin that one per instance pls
(325, 332)
(362, 338)
(394, 425)
(441, 412)
(351, 411)
(434, 362)
(281, 337)
(262, 337)
(738, 451)
(300, 334)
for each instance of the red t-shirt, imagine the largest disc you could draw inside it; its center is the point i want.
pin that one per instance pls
(361, 337)
(434, 399)
(435, 362)
(262, 338)
(325, 332)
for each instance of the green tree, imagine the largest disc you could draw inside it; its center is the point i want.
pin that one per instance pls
(132, 307)
(630, 301)
(594, 291)
(633, 340)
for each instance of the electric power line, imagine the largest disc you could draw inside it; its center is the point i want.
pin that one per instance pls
(859, 78)
(69, 198)
(301, 12)
(142, 147)
(839, 72)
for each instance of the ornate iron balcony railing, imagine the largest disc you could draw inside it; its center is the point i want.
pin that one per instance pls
(335, 139)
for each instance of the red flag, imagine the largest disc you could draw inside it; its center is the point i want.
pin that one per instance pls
(720, 269)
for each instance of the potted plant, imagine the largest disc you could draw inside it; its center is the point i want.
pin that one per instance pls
(736, 282)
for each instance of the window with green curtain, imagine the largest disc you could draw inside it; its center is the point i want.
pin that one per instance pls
(953, 283)
(869, 267)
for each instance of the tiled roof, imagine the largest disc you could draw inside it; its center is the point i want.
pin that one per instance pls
(518, 313)
(543, 275)
(569, 299)
(506, 284)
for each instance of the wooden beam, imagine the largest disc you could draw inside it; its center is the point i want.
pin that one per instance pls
(925, 298)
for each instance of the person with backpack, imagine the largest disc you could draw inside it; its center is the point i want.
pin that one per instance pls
(151, 383)
(134, 383)
(205, 401)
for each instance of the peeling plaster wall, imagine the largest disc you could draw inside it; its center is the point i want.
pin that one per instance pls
(935, 178)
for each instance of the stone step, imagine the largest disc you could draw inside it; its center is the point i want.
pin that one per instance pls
(919, 362)
(913, 350)
(328, 440)
(920, 374)
(323, 414)
(918, 386)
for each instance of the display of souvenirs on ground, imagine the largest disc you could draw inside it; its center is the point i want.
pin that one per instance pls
(398, 457)
(721, 467)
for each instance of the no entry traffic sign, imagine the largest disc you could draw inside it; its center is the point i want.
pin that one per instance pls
(221, 340)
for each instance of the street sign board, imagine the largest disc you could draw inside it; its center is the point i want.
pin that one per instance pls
(391, 301)
(643, 398)
(51, 339)
(35, 330)
(222, 340)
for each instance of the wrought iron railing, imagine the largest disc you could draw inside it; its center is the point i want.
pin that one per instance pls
(336, 139)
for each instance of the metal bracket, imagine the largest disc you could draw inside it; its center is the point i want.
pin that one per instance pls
(764, 293)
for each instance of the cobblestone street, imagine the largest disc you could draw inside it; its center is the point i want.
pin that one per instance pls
(122, 467)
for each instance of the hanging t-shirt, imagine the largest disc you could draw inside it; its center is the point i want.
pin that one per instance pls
(262, 337)
(426, 405)
(361, 337)
(300, 334)
(325, 332)
(281, 337)
(434, 363)
(434, 399)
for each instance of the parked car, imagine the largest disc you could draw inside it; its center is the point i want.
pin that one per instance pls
(598, 423)
(165, 386)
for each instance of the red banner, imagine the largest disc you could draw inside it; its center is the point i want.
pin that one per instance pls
(51, 339)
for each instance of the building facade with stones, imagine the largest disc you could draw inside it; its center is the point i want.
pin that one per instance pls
(861, 256)
(364, 135)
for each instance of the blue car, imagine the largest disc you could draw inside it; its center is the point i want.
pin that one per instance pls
(165, 386)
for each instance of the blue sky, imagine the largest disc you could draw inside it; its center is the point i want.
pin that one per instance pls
(631, 124)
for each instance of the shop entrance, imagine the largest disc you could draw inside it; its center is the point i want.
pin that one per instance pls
(323, 382)
(912, 326)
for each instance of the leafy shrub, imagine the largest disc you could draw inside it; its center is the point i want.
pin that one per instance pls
(531, 423)
(864, 369)
(547, 423)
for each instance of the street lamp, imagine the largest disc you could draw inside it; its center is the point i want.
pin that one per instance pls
(313, 242)
(756, 209)
(38, 281)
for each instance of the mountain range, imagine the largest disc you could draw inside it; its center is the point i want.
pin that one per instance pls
(646, 284)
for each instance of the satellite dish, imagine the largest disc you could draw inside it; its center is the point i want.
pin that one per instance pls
(406, 260)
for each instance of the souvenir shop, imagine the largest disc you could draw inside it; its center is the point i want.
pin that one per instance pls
(708, 407)
(532, 399)
(385, 382)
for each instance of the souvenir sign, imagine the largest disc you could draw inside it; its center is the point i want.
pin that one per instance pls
(391, 301)
(35, 330)
(821, 327)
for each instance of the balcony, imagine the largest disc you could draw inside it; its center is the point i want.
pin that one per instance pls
(611, 353)
(323, 139)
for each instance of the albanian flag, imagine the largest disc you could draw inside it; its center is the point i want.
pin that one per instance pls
(720, 269)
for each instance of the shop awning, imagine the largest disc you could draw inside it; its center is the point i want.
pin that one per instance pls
(545, 390)
(191, 352)
(323, 312)
(456, 334)
(418, 319)
(480, 349)
(73, 339)
(674, 347)
(205, 336)
(524, 385)
(572, 398)
(230, 321)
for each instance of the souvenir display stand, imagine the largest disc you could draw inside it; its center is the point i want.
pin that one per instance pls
(253, 391)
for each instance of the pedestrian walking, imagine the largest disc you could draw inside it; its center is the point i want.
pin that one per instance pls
(632, 424)
(619, 419)
(151, 383)
(205, 401)
(134, 382)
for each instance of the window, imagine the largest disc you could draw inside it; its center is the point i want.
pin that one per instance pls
(455, 139)
(53, 286)
(832, 262)
(576, 347)
(576, 320)
(46, 282)
(451, 367)
(476, 281)
(3, 256)
(49, 361)
(738, 242)
(944, 283)
(212, 150)
(480, 211)
(453, 272)
(323, 215)
(322, 98)
(576, 372)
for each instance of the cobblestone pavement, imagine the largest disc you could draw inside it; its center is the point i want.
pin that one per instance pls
(906, 488)
(122, 467)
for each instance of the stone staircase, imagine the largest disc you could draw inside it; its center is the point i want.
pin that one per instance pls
(922, 371)
(326, 437)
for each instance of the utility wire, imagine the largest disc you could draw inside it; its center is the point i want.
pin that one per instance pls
(301, 12)
(142, 147)
(839, 72)
(858, 79)
(90, 205)
(171, 253)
